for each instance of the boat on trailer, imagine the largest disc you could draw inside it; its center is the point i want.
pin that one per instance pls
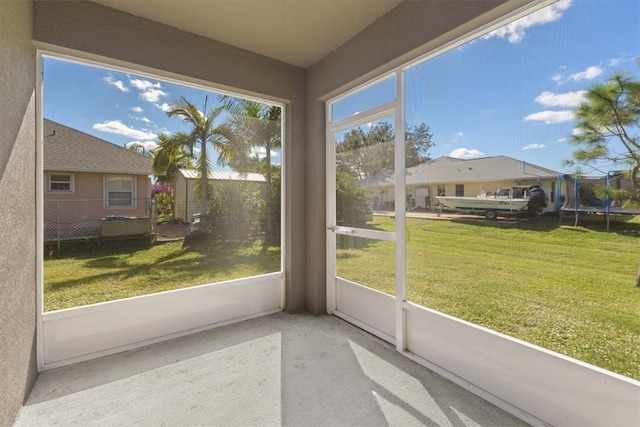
(514, 200)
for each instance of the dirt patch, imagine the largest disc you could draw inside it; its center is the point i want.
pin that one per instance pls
(175, 231)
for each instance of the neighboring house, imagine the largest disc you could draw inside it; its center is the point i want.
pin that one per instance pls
(460, 177)
(187, 202)
(87, 179)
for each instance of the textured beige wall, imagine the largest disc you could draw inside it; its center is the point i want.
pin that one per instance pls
(411, 29)
(95, 29)
(17, 209)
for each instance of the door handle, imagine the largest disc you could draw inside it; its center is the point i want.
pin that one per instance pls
(341, 230)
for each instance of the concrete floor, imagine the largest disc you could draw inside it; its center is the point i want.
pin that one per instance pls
(282, 369)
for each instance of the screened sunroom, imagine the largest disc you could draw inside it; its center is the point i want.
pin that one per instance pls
(317, 300)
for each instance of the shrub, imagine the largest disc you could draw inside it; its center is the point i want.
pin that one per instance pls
(236, 211)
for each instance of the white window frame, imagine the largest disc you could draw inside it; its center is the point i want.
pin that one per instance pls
(87, 332)
(134, 191)
(50, 180)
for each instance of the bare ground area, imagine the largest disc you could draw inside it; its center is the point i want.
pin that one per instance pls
(175, 231)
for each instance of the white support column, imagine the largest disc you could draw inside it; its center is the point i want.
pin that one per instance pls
(400, 211)
(331, 212)
(39, 213)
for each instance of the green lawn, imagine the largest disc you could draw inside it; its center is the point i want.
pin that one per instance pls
(568, 289)
(103, 272)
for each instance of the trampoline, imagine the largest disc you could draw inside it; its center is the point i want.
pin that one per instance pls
(581, 196)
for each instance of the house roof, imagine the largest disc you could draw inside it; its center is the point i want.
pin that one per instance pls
(70, 150)
(225, 175)
(452, 170)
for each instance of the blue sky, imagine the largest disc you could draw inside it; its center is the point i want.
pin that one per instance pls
(511, 92)
(122, 108)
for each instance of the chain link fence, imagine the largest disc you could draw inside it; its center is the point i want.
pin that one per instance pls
(87, 219)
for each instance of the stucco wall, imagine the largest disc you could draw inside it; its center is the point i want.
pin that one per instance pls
(411, 29)
(91, 28)
(17, 210)
(90, 186)
(79, 213)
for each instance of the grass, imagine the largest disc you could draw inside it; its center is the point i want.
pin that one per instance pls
(568, 289)
(104, 272)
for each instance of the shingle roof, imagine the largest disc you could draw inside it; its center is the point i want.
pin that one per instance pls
(70, 150)
(448, 170)
(226, 176)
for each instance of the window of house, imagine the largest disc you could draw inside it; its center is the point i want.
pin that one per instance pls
(120, 191)
(60, 182)
(459, 190)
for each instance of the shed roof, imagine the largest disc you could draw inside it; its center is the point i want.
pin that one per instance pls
(225, 175)
(452, 170)
(70, 150)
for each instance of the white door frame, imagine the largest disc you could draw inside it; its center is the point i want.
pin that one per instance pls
(370, 309)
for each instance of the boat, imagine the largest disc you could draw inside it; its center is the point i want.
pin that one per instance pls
(507, 200)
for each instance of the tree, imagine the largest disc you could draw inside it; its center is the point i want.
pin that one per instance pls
(418, 143)
(172, 153)
(365, 154)
(609, 114)
(139, 148)
(352, 207)
(204, 131)
(258, 125)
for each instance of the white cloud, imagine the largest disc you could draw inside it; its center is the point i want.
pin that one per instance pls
(149, 91)
(567, 99)
(144, 119)
(119, 128)
(614, 62)
(143, 84)
(261, 152)
(164, 107)
(457, 137)
(588, 74)
(557, 78)
(515, 31)
(153, 95)
(551, 117)
(466, 153)
(116, 83)
(137, 109)
(534, 147)
(577, 132)
(147, 145)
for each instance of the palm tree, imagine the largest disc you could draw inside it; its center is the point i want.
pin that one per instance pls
(139, 148)
(258, 126)
(204, 131)
(172, 153)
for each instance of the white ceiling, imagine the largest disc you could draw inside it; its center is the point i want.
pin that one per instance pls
(298, 32)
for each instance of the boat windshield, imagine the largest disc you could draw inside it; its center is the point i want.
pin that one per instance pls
(503, 192)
